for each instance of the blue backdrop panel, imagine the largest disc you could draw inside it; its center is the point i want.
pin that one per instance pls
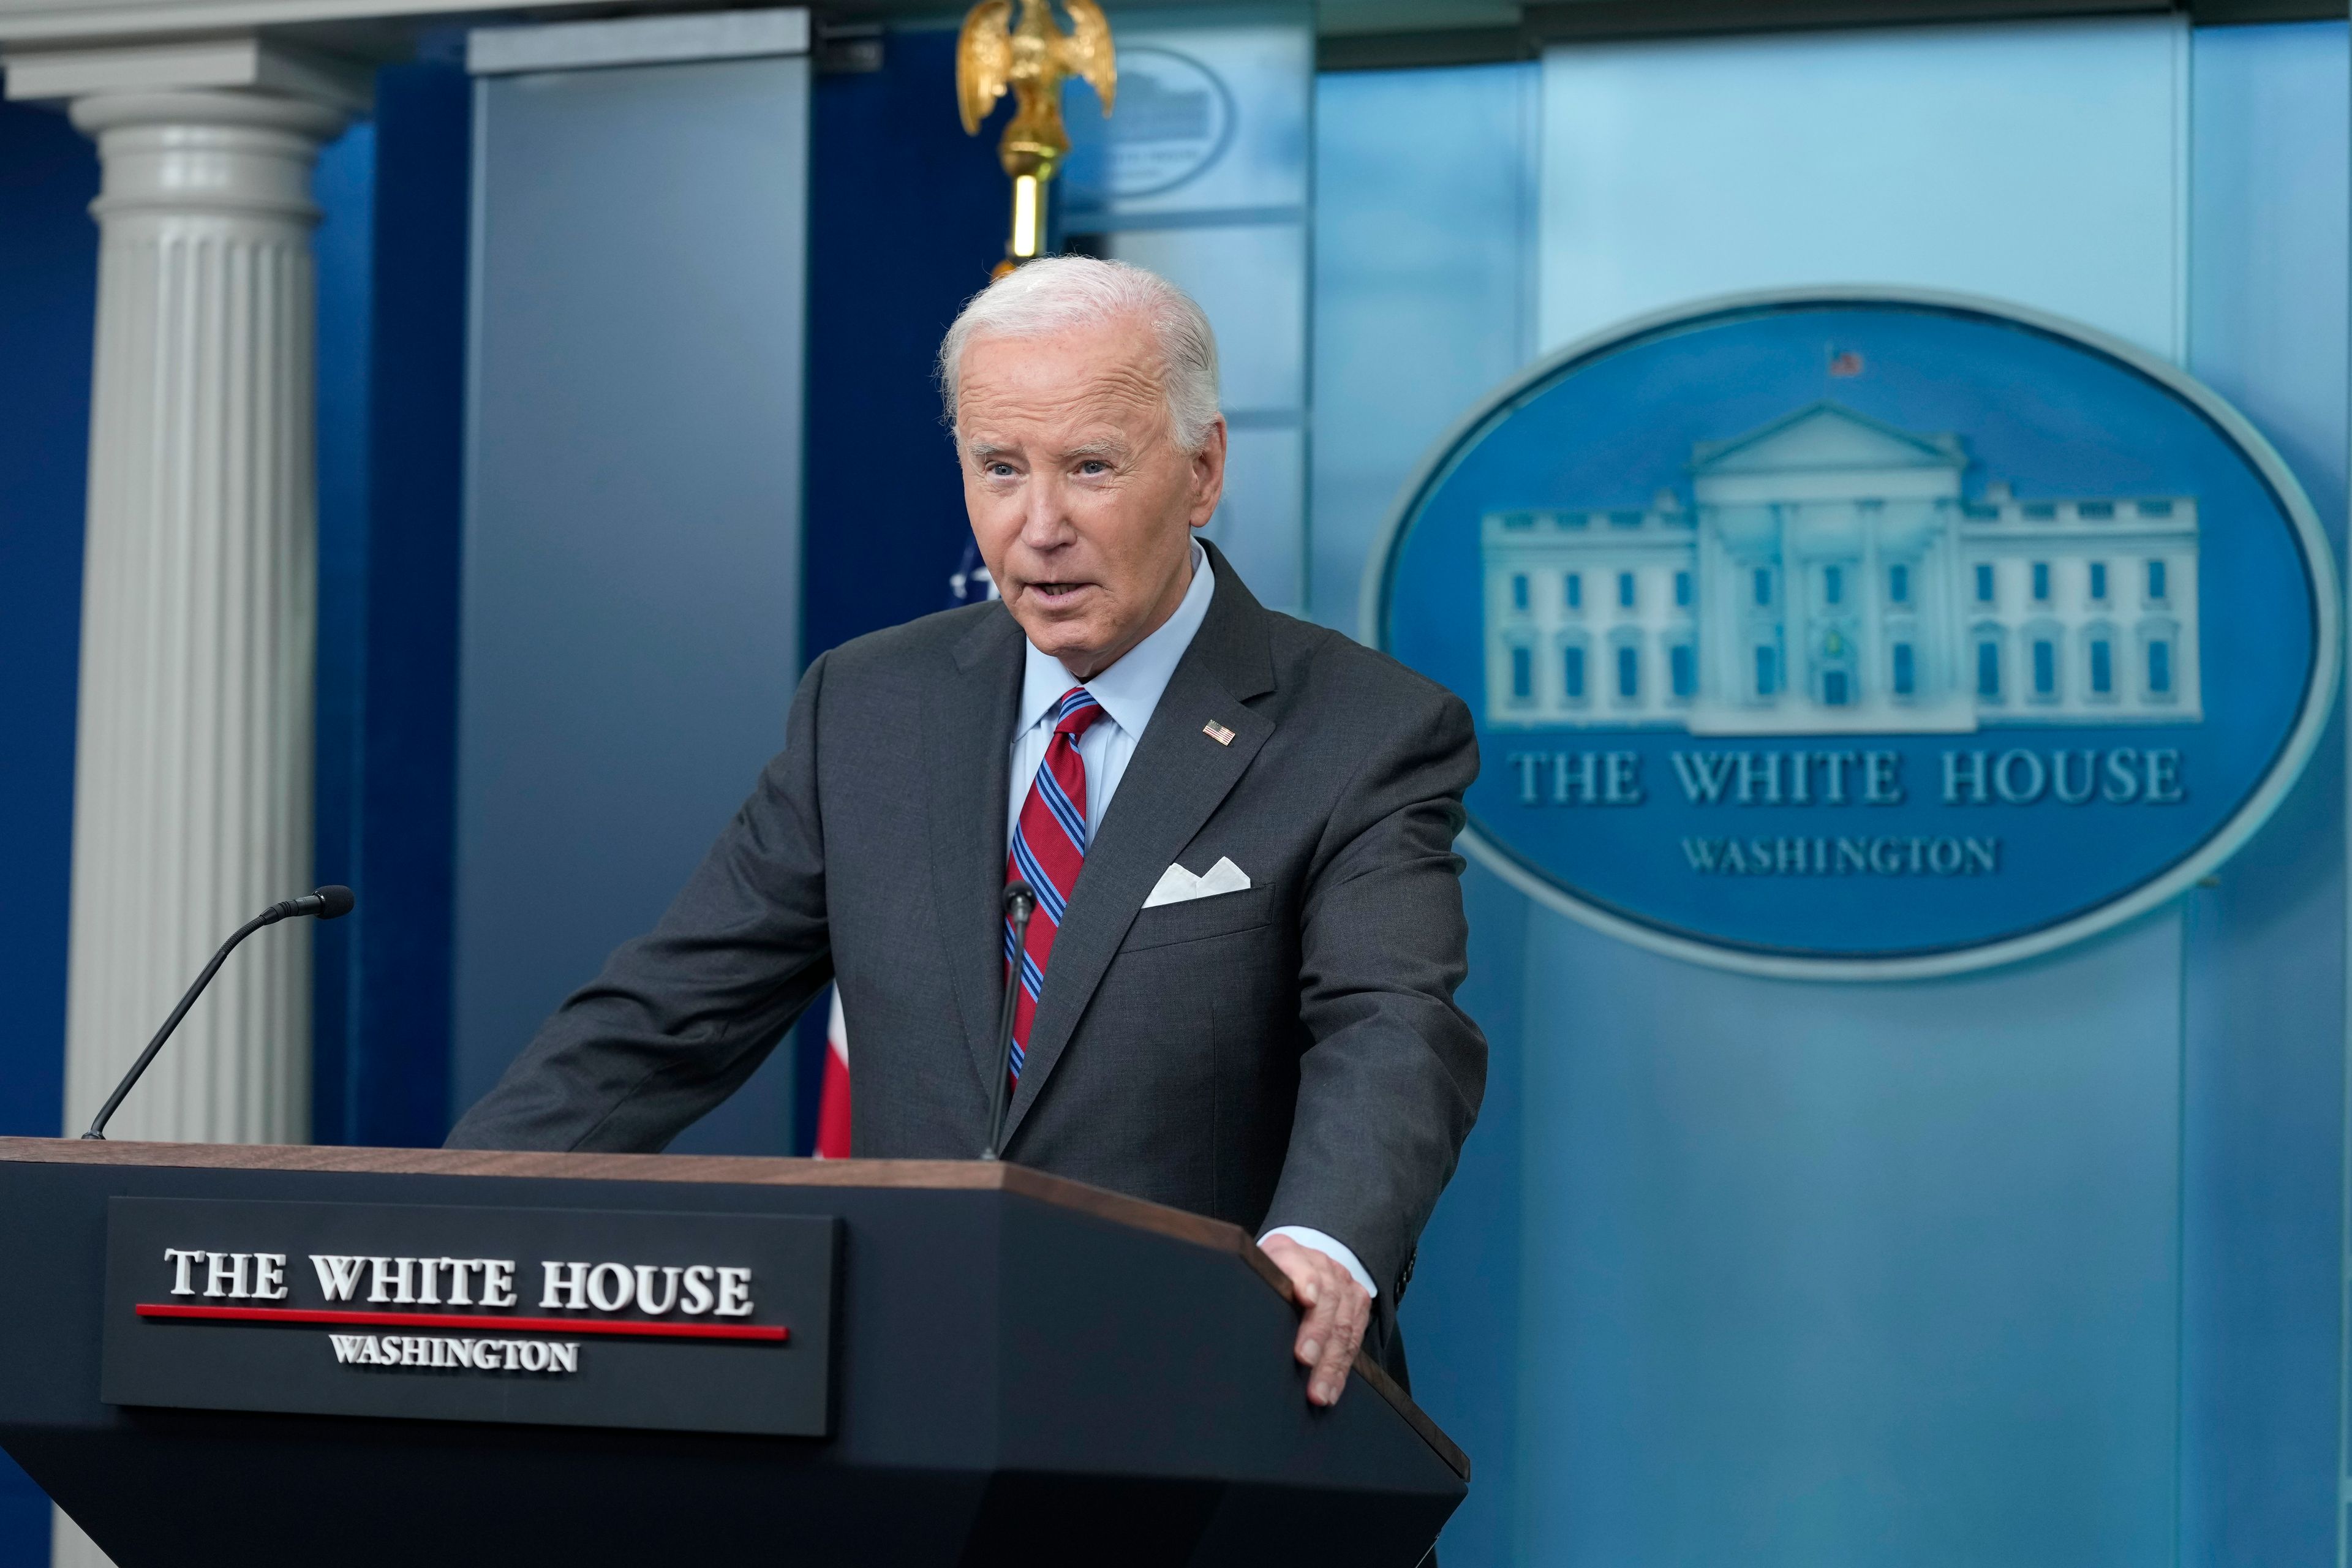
(2039, 163)
(1671, 1234)
(2264, 1135)
(1462, 1317)
(1423, 271)
(632, 567)
(49, 299)
(344, 188)
(391, 336)
(1846, 1275)
(908, 214)
(1817, 1272)
(398, 1082)
(1424, 217)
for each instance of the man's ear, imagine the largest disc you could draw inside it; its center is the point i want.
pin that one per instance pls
(1209, 475)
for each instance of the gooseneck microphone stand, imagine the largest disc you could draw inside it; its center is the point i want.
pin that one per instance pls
(327, 903)
(1020, 903)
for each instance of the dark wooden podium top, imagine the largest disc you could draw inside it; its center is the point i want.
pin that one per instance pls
(733, 1170)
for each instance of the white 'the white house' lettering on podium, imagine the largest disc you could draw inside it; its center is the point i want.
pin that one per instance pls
(1831, 578)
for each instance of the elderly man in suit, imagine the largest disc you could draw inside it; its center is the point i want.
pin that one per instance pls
(1236, 994)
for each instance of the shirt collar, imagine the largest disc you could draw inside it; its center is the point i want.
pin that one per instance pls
(1129, 690)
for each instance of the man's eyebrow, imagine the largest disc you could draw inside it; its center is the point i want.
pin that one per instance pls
(980, 451)
(1106, 447)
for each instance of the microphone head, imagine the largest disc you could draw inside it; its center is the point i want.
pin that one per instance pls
(1017, 894)
(334, 901)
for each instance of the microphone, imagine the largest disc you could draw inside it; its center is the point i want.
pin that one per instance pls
(328, 903)
(1020, 904)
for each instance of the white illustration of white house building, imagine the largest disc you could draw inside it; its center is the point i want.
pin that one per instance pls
(1831, 578)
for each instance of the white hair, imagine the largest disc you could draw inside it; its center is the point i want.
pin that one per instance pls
(1056, 293)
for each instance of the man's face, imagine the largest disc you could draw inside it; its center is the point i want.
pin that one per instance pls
(1081, 500)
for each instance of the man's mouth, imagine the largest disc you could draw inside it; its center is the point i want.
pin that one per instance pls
(1057, 593)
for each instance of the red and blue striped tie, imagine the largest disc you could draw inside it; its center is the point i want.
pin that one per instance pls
(1049, 847)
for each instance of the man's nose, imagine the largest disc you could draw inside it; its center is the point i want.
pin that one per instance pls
(1045, 513)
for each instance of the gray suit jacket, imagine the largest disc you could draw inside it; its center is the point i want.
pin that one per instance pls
(1286, 1055)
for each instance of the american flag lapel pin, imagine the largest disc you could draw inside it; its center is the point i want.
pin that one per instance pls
(1217, 732)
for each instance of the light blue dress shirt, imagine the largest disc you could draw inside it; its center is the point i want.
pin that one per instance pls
(1128, 692)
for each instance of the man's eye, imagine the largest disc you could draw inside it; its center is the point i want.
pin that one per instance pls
(1000, 470)
(1094, 466)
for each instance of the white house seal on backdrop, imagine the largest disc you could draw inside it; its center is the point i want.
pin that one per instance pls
(1853, 633)
(1834, 578)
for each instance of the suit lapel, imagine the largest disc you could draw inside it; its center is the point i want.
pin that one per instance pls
(1176, 779)
(967, 742)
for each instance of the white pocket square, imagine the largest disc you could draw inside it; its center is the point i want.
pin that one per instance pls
(1176, 884)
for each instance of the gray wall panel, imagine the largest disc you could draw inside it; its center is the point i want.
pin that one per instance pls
(632, 571)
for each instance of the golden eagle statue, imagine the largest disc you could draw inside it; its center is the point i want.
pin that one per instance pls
(1032, 56)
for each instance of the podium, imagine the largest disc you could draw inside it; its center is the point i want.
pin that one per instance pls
(266, 1356)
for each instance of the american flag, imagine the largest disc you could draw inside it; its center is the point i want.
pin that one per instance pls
(970, 582)
(1844, 361)
(833, 1099)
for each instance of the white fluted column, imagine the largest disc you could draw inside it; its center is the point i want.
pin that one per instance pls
(192, 780)
(192, 790)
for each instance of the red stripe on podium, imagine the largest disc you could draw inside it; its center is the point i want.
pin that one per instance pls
(766, 1333)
